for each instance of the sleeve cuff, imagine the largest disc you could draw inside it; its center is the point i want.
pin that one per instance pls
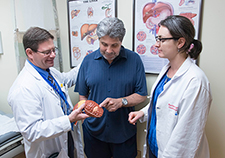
(65, 123)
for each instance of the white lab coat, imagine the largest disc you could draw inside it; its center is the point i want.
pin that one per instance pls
(181, 110)
(38, 113)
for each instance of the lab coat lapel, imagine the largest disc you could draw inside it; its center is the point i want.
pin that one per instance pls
(49, 88)
(39, 78)
(183, 68)
(162, 72)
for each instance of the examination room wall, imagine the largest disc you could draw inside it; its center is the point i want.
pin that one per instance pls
(211, 61)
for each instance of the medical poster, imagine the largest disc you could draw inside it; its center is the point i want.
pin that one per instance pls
(147, 15)
(84, 15)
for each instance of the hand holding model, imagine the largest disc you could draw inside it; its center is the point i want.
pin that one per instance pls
(90, 107)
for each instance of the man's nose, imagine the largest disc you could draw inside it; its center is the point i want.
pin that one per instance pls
(109, 49)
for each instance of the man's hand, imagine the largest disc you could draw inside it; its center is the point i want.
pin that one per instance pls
(112, 104)
(78, 114)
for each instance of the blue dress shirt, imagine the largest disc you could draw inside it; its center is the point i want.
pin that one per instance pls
(98, 79)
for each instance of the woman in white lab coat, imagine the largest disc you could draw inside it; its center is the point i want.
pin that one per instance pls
(180, 98)
(37, 107)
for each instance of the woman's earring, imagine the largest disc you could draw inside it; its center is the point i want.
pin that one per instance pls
(178, 50)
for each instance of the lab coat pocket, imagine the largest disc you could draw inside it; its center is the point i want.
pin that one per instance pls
(64, 88)
(172, 118)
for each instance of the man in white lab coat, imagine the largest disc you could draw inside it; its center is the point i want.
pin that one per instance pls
(40, 102)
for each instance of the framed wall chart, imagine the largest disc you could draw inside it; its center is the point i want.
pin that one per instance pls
(83, 17)
(147, 15)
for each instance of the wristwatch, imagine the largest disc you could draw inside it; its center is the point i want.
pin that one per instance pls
(124, 101)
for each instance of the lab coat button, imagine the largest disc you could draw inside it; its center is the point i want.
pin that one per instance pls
(158, 107)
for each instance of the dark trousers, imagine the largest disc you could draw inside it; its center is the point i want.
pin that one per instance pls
(70, 145)
(95, 148)
(151, 155)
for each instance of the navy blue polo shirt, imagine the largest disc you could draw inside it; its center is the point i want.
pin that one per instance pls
(98, 79)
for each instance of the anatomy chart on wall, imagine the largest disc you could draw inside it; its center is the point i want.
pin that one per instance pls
(147, 15)
(84, 16)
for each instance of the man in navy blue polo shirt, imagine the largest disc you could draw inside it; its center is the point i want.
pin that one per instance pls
(114, 77)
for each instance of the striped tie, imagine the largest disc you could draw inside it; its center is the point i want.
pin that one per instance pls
(50, 78)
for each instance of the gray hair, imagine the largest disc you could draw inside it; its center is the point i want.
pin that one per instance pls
(113, 27)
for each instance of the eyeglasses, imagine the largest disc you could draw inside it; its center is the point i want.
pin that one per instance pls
(158, 39)
(48, 52)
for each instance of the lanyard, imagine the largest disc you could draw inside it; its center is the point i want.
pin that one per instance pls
(59, 91)
(61, 94)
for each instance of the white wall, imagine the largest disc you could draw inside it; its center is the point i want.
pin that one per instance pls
(8, 69)
(211, 60)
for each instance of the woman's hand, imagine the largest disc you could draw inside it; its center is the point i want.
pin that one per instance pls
(134, 116)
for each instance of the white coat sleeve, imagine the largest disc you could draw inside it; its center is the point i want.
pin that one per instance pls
(145, 110)
(70, 78)
(28, 112)
(188, 132)
(67, 78)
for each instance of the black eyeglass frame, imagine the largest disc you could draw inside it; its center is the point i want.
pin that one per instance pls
(158, 39)
(48, 52)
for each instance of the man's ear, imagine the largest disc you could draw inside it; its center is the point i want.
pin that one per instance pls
(181, 42)
(29, 53)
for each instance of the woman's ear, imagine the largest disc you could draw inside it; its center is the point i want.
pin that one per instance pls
(181, 42)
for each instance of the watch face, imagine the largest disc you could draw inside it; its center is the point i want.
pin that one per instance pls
(124, 101)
